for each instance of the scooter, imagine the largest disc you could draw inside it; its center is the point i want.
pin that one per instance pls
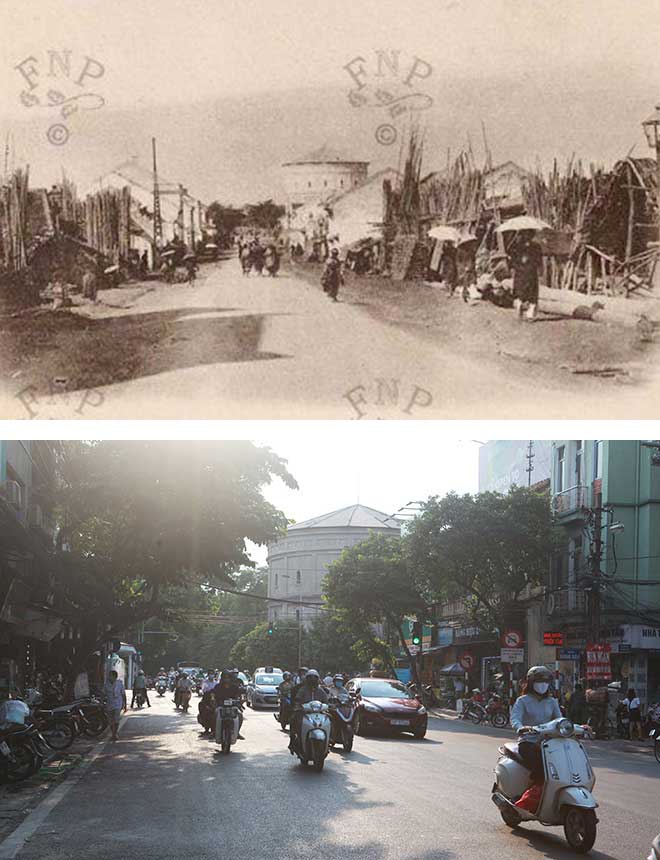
(161, 686)
(313, 742)
(283, 716)
(227, 724)
(566, 796)
(342, 712)
(184, 700)
(140, 698)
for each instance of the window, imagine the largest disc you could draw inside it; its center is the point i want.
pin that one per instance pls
(276, 582)
(598, 459)
(297, 577)
(578, 462)
(560, 463)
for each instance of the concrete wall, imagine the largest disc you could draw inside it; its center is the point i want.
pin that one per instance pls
(309, 183)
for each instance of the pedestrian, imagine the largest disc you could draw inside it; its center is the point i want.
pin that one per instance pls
(89, 285)
(332, 277)
(447, 269)
(526, 258)
(115, 701)
(140, 683)
(577, 706)
(634, 707)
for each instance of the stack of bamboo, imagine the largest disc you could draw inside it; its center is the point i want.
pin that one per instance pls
(107, 222)
(455, 195)
(13, 219)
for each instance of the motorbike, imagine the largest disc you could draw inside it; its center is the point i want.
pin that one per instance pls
(227, 724)
(140, 698)
(497, 713)
(342, 713)
(59, 730)
(22, 750)
(566, 796)
(283, 716)
(87, 716)
(655, 849)
(161, 686)
(312, 744)
(184, 700)
(654, 734)
(474, 711)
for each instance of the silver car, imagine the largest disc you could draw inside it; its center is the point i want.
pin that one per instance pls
(262, 691)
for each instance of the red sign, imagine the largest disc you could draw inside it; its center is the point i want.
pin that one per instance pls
(554, 638)
(512, 639)
(598, 662)
(467, 661)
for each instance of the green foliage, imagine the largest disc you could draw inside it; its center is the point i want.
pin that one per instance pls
(264, 215)
(141, 519)
(329, 646)
(257, 648)
(485, 549)
(225, 218)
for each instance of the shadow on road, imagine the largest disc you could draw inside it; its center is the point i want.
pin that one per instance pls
(63, 352)
(554, 846)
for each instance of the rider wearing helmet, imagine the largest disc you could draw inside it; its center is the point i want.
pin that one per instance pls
(140, 683)
(537, 705)
(338, 681)
(229, 687)
(327, 681)
(309, 691)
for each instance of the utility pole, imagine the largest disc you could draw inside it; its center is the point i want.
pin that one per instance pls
(158, 220)
(192, 229)
(595, 569)
(181, 217)
(530, 465)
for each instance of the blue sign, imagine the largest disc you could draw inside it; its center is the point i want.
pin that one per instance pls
(445, 635)
(569, 654)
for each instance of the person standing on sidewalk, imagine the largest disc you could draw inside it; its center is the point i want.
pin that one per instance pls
(526, 260)
(115, 701)
(634, 706)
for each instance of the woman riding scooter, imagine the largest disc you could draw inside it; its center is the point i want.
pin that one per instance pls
(537, 705)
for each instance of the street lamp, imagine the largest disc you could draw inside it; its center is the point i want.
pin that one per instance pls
(651, 128)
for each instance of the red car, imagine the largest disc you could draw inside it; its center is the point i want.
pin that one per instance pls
(385, 704)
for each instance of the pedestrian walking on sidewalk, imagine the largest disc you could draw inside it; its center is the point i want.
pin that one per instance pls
(634, 706)
(332, 277)
(115, 701)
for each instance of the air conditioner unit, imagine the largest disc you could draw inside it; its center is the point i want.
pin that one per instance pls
(12, 492)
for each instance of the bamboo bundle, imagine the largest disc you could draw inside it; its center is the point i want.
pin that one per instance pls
(13, 218)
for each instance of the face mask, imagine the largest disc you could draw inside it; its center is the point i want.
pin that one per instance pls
(541, 688)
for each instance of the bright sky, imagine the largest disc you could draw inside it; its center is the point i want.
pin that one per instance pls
(335, 470)
(547, 78)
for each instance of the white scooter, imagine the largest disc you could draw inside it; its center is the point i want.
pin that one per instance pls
(569, 780)
(313, 742)
(227, 724)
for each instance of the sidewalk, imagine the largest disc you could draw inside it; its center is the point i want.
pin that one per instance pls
(618, 744)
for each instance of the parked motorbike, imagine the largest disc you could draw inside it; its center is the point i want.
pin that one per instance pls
(342, 713)
(497, 712)
(654, 734)
(161, 686)
(227, 724)
(312, 744)
(566, 797)
(22, 750)
(474, 711)
(59, 730)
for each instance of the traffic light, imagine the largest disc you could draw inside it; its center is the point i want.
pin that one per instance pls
(270, 629)
(416, 637)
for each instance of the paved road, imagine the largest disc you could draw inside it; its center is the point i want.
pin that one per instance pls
(302, 356)
(163, 792)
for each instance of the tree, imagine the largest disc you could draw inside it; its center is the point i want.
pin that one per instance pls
(486, 550)
(259, 648)
(141, 519)
(371, 584)
(264, 215)
(225, 218)
(330, 647)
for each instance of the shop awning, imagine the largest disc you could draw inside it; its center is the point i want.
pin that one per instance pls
(452, 669)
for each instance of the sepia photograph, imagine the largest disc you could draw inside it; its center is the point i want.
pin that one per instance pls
(276, 647)
(347, 210)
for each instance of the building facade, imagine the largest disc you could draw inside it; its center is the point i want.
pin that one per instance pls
(321, 174)
(606, 498)
(505, 462)
(298, 563)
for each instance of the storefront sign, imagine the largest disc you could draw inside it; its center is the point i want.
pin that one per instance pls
(553, 637)
(598, 662)
(512, 655)
(445, 635)
(639, 636)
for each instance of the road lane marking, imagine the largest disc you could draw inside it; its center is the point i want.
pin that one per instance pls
(15, 842)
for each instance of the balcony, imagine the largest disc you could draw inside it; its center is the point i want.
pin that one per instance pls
(566, 601)
(571, 503)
